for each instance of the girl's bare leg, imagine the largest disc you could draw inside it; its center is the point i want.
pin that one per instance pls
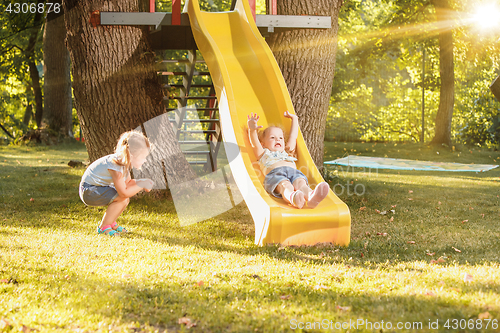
(285, 188)
(130, 183)
(114, 210)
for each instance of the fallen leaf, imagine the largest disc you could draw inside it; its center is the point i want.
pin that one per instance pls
(383, 213)
(362, 208)
(285, 297)
(367, 233)
(31, 199)
(484, 315)
(433, 261)
(200, 283)
(431, 254)
(343, 308)
(377, 211)
(465, 221)
(126, 276)
(255, 276)
(439, 202)
(391, 219)
(4, 281)
(482, 215)
(468, 277)
(410, 191)
(393, 206)
(26, 329)
(410, 199)
(441, 260)
(186, 321)
(411, 242)
(457, 250)
(430, 293)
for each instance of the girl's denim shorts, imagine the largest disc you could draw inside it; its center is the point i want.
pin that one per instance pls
(93, 195)
(276, 176)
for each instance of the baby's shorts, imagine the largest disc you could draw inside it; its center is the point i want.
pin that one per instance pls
(93, 195)
(276, 176)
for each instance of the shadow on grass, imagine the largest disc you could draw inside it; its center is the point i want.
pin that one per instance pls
(56, 205)
(250, 306)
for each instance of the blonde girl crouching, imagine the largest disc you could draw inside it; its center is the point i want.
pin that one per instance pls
(107, 181)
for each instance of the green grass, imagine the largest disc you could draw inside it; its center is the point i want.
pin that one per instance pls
(57, 275)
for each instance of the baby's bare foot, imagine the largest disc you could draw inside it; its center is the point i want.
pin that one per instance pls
(297, 199)
(319, 193)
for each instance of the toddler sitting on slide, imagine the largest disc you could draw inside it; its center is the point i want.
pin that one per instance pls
(282, 179)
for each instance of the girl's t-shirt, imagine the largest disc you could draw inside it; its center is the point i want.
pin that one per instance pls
(98, 172)
(270, 157)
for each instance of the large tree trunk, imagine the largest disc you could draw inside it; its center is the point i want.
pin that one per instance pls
(446, 71)
(307, 60)
(57, 79)
(115, 85)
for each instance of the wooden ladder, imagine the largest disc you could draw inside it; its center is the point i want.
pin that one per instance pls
(195, 118)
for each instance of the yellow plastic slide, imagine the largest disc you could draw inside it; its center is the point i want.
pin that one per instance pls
(247, 79)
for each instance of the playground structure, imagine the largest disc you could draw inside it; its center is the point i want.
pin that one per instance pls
(245, 78)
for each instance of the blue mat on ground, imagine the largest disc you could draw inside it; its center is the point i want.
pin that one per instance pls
(402, 164)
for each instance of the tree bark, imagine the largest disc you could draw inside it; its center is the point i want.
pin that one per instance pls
(444, 115)
(115, 84)
(57, 78)
(306, 58)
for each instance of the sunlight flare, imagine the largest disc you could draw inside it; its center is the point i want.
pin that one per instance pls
(486, 16)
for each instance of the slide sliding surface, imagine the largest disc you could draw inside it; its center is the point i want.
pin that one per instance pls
(248, 80)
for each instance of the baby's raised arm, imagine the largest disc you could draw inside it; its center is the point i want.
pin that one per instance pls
(253, 134)
(294, 131)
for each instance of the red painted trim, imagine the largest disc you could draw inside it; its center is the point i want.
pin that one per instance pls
(176, 12)
(95, 18)
(252, 7)
(152, 6)
(274, 7)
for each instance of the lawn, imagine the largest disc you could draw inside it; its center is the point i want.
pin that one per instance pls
(424, 255)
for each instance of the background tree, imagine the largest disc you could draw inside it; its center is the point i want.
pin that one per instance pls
(306, 58)
(20, 51)
(57, 78)
(29, 54)
(115, 84)
(444, 18)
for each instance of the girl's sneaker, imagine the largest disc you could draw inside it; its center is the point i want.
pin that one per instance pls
(107, 230)
(117, 228)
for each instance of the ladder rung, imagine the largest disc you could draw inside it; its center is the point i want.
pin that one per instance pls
(182, 73)
(185, 73)
(198, 152)
(193, 142)
(198, 131)
(197, 162)
(192, 86)
(197, 120)
(179, 61)
(194, 109)
(195, 97)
